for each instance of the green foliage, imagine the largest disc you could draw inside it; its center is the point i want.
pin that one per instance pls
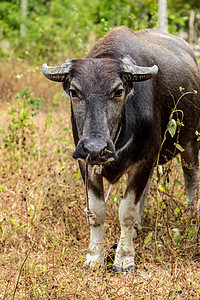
(59, 28)
(148, 238)
(184, 5)
(172, 126)
(178, 16)
(19, 133)
(176, 235)
(198, 135)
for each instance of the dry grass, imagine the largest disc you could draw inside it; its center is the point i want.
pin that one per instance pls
(43, 228)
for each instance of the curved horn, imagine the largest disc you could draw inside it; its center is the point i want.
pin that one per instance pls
(137, 73)
(58, 73)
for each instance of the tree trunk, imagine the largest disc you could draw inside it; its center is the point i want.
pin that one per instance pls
(162, 11)
(24, 10)
(192, 26)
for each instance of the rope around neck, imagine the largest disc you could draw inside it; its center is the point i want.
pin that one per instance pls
(86, 189)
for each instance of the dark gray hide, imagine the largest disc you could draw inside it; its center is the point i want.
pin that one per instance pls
(120, 111)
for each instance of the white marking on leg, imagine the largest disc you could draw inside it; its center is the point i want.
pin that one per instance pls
(128, 212)
(95, 255)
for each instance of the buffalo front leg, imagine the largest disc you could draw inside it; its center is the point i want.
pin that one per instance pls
(128, 214)
(96, 217)
(137, 226)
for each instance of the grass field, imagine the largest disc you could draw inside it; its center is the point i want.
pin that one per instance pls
(43, 227)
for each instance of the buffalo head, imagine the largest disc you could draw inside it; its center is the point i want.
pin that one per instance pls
(98, 89)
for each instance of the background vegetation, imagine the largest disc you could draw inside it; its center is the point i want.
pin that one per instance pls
(43, 228)
(58, 29)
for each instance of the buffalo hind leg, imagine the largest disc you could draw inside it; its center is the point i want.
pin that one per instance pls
(190, 166)
(128, 215)
(96, 216)
(137, 226)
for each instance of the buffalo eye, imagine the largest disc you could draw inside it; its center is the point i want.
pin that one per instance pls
(118, 93)
(73, 93)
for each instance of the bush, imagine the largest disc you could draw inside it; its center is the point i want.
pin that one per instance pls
(61, 28)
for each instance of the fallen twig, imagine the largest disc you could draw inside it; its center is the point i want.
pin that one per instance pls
(21, 270)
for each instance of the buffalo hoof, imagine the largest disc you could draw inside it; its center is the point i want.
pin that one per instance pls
(94, 261)
(124, 264)
(123, 270)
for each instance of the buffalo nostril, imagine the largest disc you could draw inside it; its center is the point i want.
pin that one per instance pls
(104, 152)
(94, 147)
(96, 150)
(108, 151)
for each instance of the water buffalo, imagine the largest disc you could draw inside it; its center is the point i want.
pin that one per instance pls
(123, 95)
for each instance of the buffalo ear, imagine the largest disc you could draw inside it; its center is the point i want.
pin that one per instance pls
(59, 73)
(134, 73)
